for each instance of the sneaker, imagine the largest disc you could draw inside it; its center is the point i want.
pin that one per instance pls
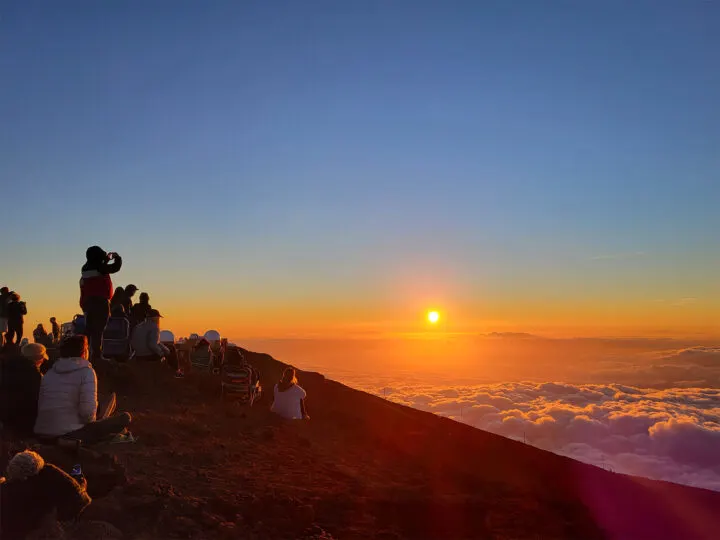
(123, 438)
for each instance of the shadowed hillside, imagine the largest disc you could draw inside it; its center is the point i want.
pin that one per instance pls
(362, 467)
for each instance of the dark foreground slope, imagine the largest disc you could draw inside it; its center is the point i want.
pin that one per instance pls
(363, 467)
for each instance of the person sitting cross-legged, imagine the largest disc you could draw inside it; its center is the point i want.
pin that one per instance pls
(68, 405)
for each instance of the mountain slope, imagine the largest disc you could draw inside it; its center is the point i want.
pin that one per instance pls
(362, 467)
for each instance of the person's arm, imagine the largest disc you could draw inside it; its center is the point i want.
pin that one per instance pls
(70, 497)
(112, 266)
(87, 407)
(154, 341)
(303, 410)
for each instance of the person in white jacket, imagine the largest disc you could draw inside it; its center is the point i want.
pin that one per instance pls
(145, 340)
(290, 397)
(68, 405)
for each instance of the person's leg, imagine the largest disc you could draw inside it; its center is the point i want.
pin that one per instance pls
(96, 432)
(97, 317)
(10, 338)
(107, 406)
(19, 331)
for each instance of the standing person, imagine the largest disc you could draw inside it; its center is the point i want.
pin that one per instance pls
(289, 397)
(16, 311)
(68, 405)
(96, 291)
(4, 300)
(145, 339)
(127, 302)
(140, 310)
(55, 330)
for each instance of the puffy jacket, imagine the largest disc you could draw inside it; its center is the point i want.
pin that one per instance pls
(145, 340)
(95, 279)
(68, 397)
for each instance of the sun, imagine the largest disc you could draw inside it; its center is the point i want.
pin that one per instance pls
(433, 317)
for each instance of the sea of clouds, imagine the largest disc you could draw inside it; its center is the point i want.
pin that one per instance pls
(668, 434)
(643, 407)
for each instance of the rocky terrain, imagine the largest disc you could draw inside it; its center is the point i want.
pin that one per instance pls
(362, 467)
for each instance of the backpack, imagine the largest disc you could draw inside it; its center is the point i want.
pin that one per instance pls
(116, 338)
(237, 378)
(201, 358)
(23, 308)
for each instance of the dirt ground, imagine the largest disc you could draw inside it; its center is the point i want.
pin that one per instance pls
(361, 467)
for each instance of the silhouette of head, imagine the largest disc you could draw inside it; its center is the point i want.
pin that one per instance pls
(144, 298)
(95, 254)
(4, 290)
(130, 290)
(74, 347)
(15, 297)
(52, 319)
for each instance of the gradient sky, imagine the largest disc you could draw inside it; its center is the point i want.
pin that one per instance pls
(287, 168)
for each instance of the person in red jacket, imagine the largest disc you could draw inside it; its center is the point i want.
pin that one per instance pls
(96, 291)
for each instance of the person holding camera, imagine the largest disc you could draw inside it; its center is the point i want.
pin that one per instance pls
(96, 291)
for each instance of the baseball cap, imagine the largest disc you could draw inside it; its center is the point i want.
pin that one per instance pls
(153, 313)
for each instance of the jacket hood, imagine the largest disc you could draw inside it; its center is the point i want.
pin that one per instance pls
(95, 254)
(66, 365)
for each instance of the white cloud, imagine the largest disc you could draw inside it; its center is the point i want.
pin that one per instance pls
(670, 434)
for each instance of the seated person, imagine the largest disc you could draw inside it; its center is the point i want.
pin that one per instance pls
(20, 378)
(289, 397)
(145, 339)
(67, 405)
(32, 491)
(41, 336)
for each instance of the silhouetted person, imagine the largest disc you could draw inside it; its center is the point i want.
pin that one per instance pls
(16, 311)
(4, 300)
(40, 335)
(145, 340)
(20, 378)
(55, 330)
(139, 311)
(68, 405)
(289, 397)
(118, 311)
(117, 297)
(128, 294)
(96, 291)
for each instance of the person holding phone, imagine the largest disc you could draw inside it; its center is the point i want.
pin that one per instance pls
(96, 291)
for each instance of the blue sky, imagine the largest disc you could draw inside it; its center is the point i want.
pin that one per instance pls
(308, 150)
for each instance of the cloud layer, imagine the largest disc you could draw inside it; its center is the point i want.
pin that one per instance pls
(671, 434)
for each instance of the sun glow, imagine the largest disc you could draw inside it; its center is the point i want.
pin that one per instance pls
(433, 317)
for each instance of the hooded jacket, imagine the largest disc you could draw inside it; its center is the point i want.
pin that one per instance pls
(95, 277)
(68, 397)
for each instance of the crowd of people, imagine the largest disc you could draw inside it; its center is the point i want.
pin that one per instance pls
(56, 401)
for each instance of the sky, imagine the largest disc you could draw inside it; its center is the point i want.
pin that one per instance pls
(320, 168)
